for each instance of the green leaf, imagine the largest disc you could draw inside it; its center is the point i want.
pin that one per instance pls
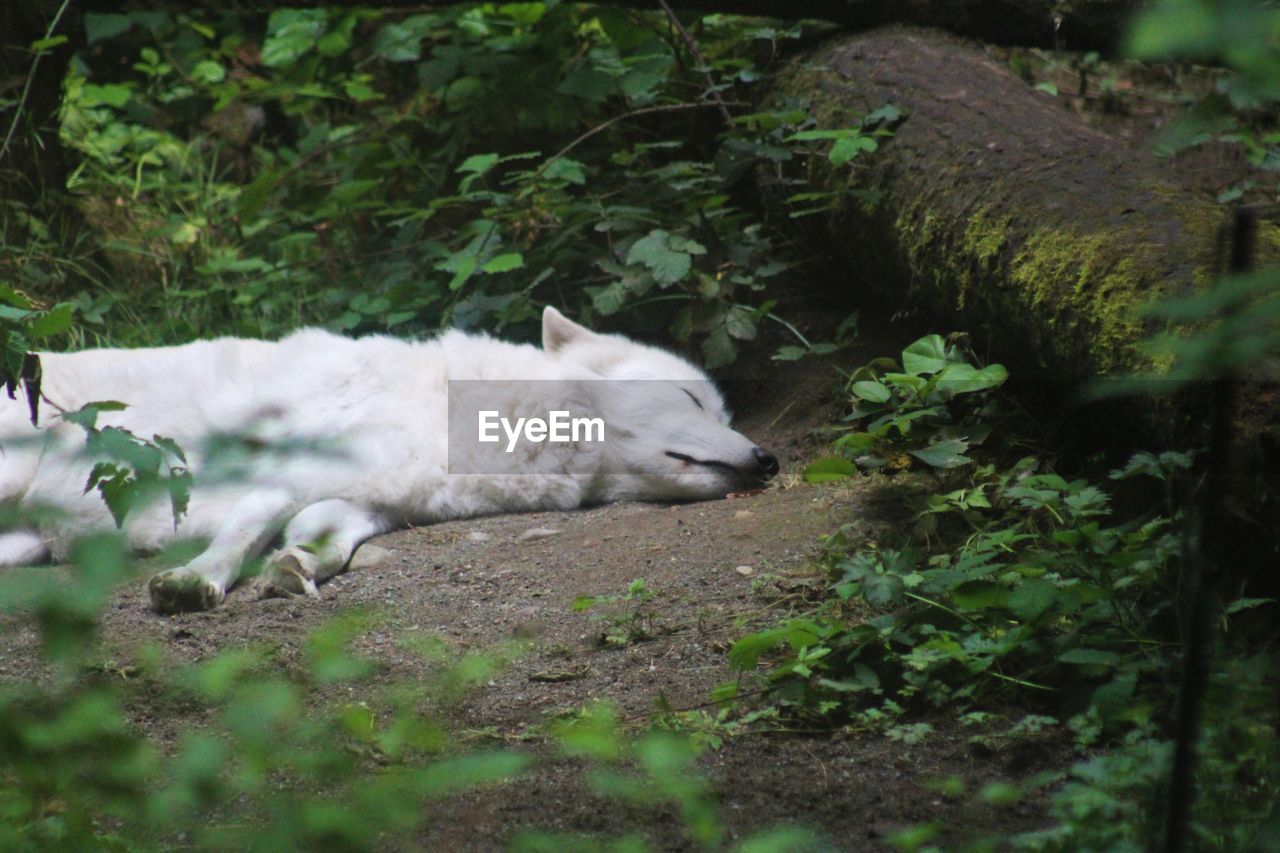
(87, 415)
(790, 353)
(740, 323)
(883, 590)
(609, 300)
(54, 321)
(871, 391)
(504, 263)
(887, 114)
(745, 654)
(208, 71)
(944, 454)
(1031, 598)
(478, 164)
(47, 44)
(846, 149)
(104, 26)
(979, 595)
(653, 250)
(926, 356)
(965, 379)
(401, 41)
(565, 171)
(718, 349)
(464, 267)
(291, 33)
(1178, 28)
(113, 95)
(1089, 657)
(829, 469)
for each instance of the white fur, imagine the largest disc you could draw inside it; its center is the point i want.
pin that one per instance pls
(370, 417)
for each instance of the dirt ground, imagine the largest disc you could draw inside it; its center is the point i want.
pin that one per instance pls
(714, 569)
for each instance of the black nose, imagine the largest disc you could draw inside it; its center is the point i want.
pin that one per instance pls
(767, 461)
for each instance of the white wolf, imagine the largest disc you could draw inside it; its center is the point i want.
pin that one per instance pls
(382, 407)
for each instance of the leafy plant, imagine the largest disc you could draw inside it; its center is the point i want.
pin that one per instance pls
(371, 170)
(921, 410)
(625, 618)
(293, 770)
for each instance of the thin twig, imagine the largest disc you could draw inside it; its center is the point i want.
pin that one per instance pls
(603, 126)
(702, 62)
(31, 75)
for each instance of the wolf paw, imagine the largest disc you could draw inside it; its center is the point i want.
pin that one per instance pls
(182, 591)
(289, 574)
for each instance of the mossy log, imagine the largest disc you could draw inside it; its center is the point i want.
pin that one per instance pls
(999, 209)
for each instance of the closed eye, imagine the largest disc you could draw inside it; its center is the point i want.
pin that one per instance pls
(695, 400)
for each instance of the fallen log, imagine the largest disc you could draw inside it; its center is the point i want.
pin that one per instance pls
(998, 208)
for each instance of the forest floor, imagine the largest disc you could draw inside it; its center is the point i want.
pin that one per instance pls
(508, 583)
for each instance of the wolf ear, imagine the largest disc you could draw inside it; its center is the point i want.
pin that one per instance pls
(558, 331)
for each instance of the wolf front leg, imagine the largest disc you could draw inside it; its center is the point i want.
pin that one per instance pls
(253, 521)
(318, 543)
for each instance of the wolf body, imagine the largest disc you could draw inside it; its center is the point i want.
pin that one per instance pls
(369, 424)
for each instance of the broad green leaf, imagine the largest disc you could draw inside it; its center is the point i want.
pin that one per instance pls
(104, 26)
(888, 114)
(745, 653)
(845, 150)
(926, 356)
(718, 349)
(965, 379)
(208, 71)
(1031, 598)
(790, 353)
(979, 595)
(57, 319)
(401, 41)
(829, 469)
(609, 300)
(740, 323)
(566, 171)
(944, 454)
(883, 590)
(291, 33)
(504, 263)
(871, 391)
(666, 265)
(1092, 657)
(478, 164)
(112, 94)
(464, 268)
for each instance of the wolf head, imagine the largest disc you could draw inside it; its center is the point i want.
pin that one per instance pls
(667, 430)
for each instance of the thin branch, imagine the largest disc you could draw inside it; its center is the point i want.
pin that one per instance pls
(702, 62)
(603, 126)
(31, 76)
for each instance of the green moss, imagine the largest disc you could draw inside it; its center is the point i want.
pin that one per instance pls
(1088, 288)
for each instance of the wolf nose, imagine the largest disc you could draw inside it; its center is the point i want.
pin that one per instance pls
(767, 461)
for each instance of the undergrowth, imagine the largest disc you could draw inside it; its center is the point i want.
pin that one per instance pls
(382, 170)
(1021, 602)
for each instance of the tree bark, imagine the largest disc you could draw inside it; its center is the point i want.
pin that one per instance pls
(999, 209)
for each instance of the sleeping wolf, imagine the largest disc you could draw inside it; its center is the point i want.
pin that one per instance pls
(384, 433)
